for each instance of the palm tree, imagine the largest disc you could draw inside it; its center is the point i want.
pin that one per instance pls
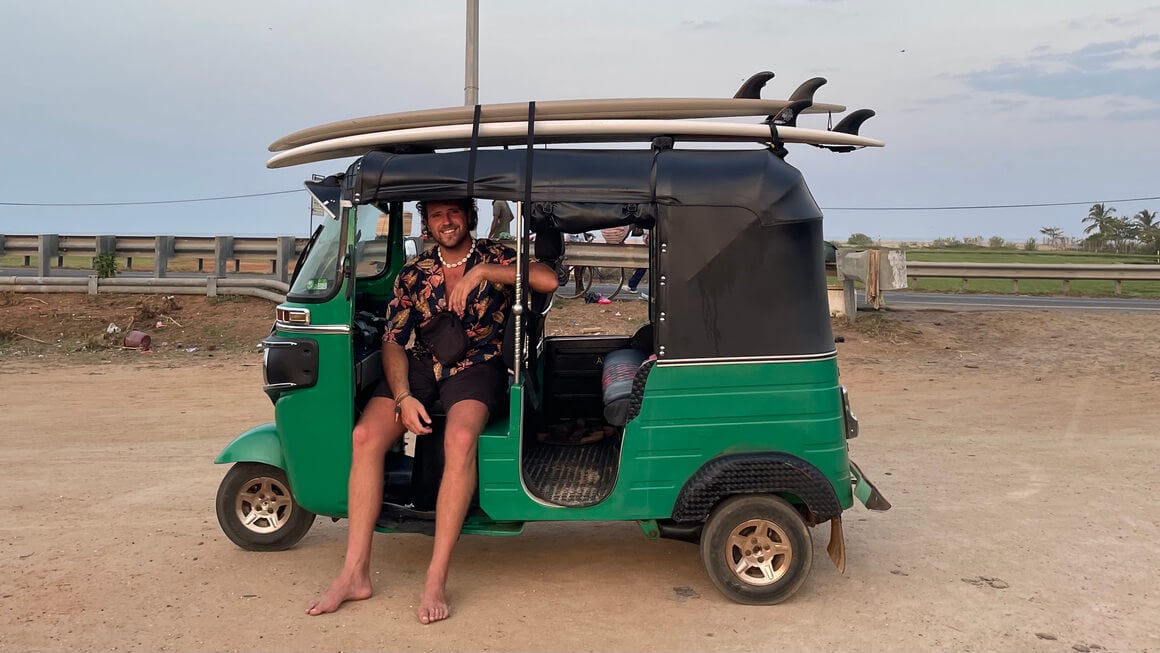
(1149, 229)
(1101, 220)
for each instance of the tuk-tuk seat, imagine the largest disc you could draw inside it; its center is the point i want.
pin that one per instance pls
(616, 380)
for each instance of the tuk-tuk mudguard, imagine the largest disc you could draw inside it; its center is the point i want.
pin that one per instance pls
(257, 445)
(756, 472)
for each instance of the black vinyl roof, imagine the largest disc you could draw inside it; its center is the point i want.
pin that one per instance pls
(756, 180)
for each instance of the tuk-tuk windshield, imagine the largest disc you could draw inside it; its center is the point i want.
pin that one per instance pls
(371, 250)
(319, 273)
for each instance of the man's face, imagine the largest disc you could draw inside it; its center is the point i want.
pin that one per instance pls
(447, 223)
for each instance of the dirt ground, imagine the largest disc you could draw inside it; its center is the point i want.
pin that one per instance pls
(1018, 450)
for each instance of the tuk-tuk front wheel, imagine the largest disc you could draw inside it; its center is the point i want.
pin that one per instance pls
(756, 549)
(257, 511)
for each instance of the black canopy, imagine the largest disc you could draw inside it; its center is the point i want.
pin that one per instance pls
(737, 258)
(755, 180)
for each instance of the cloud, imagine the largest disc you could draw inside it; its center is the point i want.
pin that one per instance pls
(700, 25)
(1123, 20)
(1110, 68)
(1133, 115)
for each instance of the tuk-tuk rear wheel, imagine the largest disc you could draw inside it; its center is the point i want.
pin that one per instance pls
(257, 511)
(756, 549)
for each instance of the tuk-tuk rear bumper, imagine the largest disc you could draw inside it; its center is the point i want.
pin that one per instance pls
(865, 491)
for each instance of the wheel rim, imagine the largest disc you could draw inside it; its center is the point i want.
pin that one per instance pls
(263, 505)
(758, 552)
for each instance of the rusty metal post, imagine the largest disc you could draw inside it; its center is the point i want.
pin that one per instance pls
(850, 298)
(162, 250)
(223, 248)
(104, 245)
(285, 256)
(46, 249)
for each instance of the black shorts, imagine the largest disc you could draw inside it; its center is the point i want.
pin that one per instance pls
(484, 382)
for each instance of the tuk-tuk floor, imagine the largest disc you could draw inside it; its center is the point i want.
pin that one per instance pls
(573, 476)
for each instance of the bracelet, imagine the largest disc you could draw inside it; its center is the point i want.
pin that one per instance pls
(399, 408)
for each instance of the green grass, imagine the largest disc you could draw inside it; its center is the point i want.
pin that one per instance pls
(1090, 288)
(979, 255)
(1086, 288)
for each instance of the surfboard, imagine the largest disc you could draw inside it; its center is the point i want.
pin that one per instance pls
(596, 109)
(561, 131)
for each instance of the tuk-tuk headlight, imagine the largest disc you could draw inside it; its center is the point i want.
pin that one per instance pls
(288, 364)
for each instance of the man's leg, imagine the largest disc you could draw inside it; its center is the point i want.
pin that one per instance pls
(635, 279)
(374, 434)
(465, 421)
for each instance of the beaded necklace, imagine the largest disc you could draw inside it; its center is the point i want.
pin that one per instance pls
(439, 253)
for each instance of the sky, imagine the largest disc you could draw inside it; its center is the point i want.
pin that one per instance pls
(980, 102)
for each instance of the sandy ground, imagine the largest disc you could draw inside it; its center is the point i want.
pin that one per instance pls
(1018, 449)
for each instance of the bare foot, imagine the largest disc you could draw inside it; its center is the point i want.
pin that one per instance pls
(343, 589)
(433, 604)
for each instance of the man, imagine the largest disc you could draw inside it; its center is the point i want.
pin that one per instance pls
(473, 279)
(501, 219)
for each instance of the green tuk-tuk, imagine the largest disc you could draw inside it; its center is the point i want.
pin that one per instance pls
(726, 421)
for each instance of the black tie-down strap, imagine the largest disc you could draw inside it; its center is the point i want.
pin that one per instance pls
(776, 144)
(472, 154)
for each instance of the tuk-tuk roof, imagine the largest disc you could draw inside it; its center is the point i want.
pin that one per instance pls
(753, 179)
(737, 248)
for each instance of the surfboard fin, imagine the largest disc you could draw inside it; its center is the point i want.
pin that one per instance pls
(806, 90)
(751, 89)
(850, 125)
(789, 115)
(853, 122)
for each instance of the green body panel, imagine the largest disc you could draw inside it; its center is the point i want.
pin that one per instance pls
(257, 445)
(691, 415)
(314, 428)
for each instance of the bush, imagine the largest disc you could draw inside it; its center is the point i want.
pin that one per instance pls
(105, 265)
(860, 240)
(996, 242)
(1031, 245)
(948, 243)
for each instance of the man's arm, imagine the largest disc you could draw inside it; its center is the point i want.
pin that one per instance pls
(541, 278)
(412, 413)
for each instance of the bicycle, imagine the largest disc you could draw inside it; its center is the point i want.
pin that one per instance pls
(584, 276)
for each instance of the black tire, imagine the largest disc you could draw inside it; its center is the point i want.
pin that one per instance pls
(768, 576)
(257, 511)
(619, 283)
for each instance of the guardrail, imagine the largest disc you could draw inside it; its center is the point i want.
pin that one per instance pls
(279, 251)
(1066, 272)
(270, 289)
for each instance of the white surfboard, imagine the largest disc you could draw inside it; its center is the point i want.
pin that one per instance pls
(592, 109)
(561, 131)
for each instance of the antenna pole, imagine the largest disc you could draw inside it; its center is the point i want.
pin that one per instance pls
(471, 87)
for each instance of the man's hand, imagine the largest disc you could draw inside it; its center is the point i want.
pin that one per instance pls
(414, 416)
(457, 300)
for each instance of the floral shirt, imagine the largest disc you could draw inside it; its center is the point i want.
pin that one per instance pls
(420, 293)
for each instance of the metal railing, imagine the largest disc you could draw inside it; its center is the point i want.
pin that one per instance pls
(1066, 272)
(279, 251)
